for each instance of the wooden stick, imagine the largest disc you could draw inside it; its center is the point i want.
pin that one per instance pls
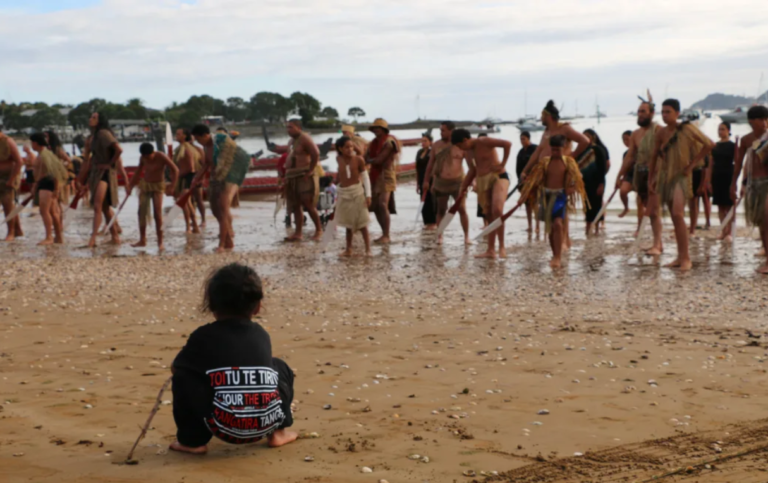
(128, 459)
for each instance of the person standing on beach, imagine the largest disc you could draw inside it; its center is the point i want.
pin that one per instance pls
(626, 183)
(492, 181)
(701, 187)
(51, 176)
(229, 164)
(186, 158)
(753, 155)
(152, 188)
(550, 118)
(638, 162)
(523, 156)
(557, 181)
(10, 170)
(99, 173)
(593, 169)
(423, 156)
(672, 162)
(361, 145)
(354, 195)
(383, 154)
(302, 181)
(445, 171)
(55, 146)
(721, 173)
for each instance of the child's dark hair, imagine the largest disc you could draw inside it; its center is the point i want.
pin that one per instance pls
(200, 130)
(341, 142)
(39, 138)
(146, 149)
(673, 103)
(557, 141)
(233, 290)
(458, 136)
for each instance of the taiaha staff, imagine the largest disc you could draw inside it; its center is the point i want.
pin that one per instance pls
(421, 207)
(496, 224)
(18, 209)
(114, 218)
(451, 213)
(519, 185)
(605, 205)
(129, 459)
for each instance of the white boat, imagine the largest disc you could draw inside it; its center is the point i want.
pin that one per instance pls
(530, 127)
(736, 116)
(485, 129)
(694, 116)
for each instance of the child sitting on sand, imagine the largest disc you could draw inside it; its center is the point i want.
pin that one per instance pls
(354, 194)
(225, 381)
(556, 181)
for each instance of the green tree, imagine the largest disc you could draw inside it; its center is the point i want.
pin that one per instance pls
(308, 106)
(329, 112)
(356, 112)
(13, 120)
(136, 106)
(47, 117)
(237, 109)
(270, 106)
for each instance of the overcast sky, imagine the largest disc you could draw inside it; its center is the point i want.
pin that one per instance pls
(464, 59)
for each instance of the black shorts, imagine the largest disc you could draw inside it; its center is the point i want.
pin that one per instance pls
(186, 181)
(46, 184)
(30, 174)
(504, 175)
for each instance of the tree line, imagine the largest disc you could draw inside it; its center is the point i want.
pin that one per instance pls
(268, 107)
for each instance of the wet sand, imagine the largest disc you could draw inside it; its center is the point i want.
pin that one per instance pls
(481, 366)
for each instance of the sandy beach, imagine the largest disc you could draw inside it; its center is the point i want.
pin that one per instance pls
(433, 366)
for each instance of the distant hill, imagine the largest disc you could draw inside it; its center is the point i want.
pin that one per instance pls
(724, 101)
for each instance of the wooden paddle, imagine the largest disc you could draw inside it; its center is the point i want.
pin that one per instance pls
(330, 229)
(496, 224)
(114, 218)
(72, 206)
(169, 139)
(178, 208)
(605, 205)
(421, 207)
(451, 213)
(519, 185)
(18, 209)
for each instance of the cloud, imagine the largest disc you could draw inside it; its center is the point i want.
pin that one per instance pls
(162, 49)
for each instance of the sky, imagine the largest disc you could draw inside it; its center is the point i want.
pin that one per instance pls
(397, 59)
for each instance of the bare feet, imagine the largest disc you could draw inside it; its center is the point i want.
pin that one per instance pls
(382, 240)
(161, 248)
(555, 263)
(763, 270)
(281, 437)
(10, 237)
(293, 238)
(195, 231)
(140, 243)
(624, 213)
(47, 241)
(761, 253)
(728, 239)
(222, 250)
(318, 235)
(92, 242)
(488, 254)
(684, 265)
(200, 450)
(346, 253)
(368, 253)
(439, 240)
(430, 227)
(503, 253)
(115, 240)
(58, 240)
(467, 241)
(654, 252)
(202, 225)
(637, 232)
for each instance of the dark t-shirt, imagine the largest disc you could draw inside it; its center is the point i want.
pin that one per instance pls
(523, 156)
(422, 159)
(225, 373)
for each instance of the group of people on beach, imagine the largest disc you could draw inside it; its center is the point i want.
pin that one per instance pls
(667, 166)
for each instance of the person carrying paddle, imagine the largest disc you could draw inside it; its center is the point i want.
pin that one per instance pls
(556, 180)
(753, 155)
(445, 172)
(152, 165)
(229, 164)
(226, 383)
(523, 156)
(492, 181)
(10, 169)
(679, 148)
(99, 173)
